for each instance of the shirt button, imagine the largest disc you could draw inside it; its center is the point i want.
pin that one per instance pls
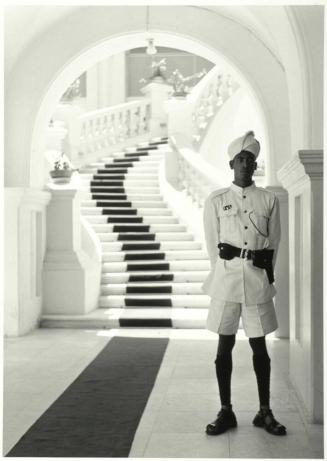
(245, 227)
(245, 211)
(245, 243)
(244, 196)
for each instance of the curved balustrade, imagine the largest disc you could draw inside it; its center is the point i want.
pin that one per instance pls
(114, 125)
(194, 174)
(207, 97)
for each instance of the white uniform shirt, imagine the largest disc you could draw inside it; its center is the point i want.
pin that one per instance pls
(246, 218)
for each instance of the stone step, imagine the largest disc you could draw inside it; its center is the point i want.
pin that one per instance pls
(140, 236)
(101, 228)
(92, 199)
(92, 202)
(170, 255)
(119, 182)
(136, 204)
(130, 301)
(126, 211)
(132, 211)
(132, 219)
(154, 265)
(120, 190)
(118, 176)
(104, 168)
(154, 276)
(151, 287)
(137, 318)
(129, 246)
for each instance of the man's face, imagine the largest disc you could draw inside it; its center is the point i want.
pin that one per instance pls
(244, 165)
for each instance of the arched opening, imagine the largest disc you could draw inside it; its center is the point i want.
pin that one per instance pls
(122, 43)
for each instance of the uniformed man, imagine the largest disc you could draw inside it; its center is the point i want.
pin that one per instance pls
(242, 231)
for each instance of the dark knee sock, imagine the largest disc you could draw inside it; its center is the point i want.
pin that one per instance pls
(224, 367)
(261, 365)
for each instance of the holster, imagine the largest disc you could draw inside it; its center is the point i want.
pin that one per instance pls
(260, 258)
(263, 259)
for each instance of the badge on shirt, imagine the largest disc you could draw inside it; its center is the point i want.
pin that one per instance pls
(227, 207)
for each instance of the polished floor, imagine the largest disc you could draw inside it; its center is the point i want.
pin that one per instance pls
(39, 367)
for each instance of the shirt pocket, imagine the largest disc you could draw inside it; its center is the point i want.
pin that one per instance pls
(260, 222)
(228, 220)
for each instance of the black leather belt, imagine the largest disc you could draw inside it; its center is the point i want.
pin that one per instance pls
(260, 258)
(228, 251)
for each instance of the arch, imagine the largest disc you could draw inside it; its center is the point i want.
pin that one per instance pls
(75, 45)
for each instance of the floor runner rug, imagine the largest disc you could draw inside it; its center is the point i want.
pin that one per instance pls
(98, 414)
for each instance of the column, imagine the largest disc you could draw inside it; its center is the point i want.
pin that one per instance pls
(303, 178)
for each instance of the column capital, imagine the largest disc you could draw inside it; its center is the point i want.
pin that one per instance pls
(307, 165)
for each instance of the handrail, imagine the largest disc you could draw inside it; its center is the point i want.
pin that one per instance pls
(207, 98)
(194, 174)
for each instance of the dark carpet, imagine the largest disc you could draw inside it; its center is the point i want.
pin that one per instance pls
(98, 414)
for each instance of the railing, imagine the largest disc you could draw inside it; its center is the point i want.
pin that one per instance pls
(193, 115)
(107, 127)
(207, 98)
(91, 134)
(192, 173)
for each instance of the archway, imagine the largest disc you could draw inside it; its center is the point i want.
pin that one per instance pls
(74, 43)
(120, 44)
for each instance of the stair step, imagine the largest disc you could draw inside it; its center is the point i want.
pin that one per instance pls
(103, 219)
(137, 318)
(109, 211)
(104, 168)
(130, 246)
(185, 301)
(119, 182)
(122, 190)
(119, 175)
(100, 228)
(121, 256)
(130, 236)
(92, 198)
(162, 288)
(156, 266)
(154, 276)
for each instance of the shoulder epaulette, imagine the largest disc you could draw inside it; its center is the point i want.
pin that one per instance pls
(218, 192)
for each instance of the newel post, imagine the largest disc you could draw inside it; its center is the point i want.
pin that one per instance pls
(69, 276)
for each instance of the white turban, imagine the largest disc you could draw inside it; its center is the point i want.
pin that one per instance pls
(246, 142)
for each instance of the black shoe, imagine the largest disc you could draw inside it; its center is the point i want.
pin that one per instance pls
(265, 419)
(226, 420)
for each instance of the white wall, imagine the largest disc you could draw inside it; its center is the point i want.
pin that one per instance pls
(25, 240)
(106, 83)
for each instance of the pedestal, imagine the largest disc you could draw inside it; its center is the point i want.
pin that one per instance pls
(71, 279)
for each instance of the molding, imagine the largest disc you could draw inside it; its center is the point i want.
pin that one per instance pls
(306, 165)
(312, 161)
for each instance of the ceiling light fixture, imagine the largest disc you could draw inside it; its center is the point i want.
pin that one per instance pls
(151, 49)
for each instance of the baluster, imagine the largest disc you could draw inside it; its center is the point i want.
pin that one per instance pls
(128, 126)
(137, 119)
(112, 132)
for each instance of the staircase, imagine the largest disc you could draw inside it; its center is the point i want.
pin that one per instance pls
(152, 268)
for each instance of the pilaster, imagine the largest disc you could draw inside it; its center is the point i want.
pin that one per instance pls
(302, 176)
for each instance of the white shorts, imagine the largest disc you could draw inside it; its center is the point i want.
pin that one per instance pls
(257, 319)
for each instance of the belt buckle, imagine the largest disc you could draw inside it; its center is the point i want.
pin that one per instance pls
(244, 253)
